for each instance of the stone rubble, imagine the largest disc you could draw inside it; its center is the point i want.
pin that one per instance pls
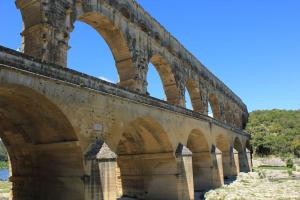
(255, 186)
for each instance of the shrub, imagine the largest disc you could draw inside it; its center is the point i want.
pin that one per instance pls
(289, 163)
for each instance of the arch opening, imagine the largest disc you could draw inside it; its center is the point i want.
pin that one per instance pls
(46, 161)
(209, 111)
(188, 100)
(101, 63)
(146, 161)
(242, 157)
(224, 146)
(155, 86)
(213, 103)
(202, 163)
(168, 80)
(117, 43)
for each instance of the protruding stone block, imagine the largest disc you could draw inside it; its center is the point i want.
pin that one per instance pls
(218, 175)
(107, 162)
(185, 182)
(101, 183)
(249, 159)
(235, 164)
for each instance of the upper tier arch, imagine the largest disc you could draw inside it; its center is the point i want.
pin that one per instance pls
(134, 37)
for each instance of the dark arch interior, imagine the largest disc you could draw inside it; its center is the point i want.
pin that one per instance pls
(202, 162)
(46, 163)
(146, 161)
(224, 146)
(242, 156)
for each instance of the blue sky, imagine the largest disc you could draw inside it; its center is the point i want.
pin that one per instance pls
(252, 46)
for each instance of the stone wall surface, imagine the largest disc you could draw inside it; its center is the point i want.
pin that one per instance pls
(73, 136)
(53, 114)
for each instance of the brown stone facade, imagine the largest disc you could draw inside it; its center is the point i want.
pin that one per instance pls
(71, 136)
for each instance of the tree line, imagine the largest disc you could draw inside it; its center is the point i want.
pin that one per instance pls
(3, 152)
(275, 132)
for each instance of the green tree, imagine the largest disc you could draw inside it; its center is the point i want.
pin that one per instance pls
(275, 132)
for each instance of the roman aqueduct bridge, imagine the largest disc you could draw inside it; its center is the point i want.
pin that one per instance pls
(73, 136)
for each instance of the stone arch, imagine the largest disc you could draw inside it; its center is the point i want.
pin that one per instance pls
(195, 95)
(146, 161)
(46, 158)
(242, 157)
(118, 44)
(223, 144)
(166, 74)
(202, 161)
(214, 103)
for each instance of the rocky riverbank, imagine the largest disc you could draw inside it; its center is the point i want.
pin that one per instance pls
(271, 180)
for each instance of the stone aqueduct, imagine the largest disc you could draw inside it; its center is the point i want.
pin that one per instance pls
(72, 136)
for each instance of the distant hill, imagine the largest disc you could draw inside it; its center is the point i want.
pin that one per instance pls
(275, 132)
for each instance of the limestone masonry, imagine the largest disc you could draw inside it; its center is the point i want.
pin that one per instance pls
(71, 136)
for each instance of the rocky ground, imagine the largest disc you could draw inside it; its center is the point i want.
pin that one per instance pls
(4, 196)
(273, 181)
(4, 190)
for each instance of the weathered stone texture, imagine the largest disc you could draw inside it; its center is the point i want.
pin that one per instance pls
(55, 115)
(135, 39)
(72, 136)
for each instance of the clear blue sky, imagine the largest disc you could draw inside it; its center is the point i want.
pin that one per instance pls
(253, 46)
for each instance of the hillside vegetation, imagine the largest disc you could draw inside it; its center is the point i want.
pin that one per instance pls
(3, 152)
(275, 132)
(3, 156)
